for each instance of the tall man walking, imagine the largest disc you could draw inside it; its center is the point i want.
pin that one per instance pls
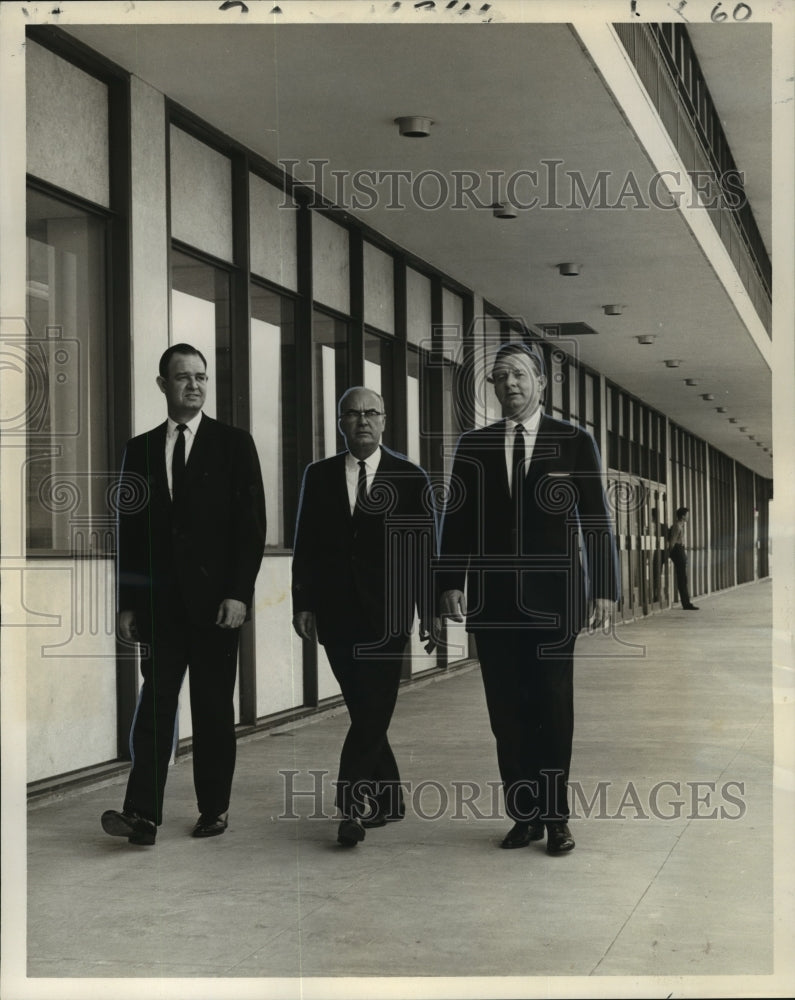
(188, 555)
(530, 535)
(361, 569)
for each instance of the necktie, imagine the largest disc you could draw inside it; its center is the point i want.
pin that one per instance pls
(361, 489)
(518, 461)
(178, 462)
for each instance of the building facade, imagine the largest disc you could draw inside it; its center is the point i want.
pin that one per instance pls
(149, 224)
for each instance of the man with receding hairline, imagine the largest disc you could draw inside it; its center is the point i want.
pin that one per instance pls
(364, 541)
(529, 537)
(188, 555)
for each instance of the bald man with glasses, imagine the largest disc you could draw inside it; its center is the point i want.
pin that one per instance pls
(364, 541)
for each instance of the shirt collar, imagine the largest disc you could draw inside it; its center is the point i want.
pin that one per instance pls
(530, 425)
(372, 461)
(192, 425)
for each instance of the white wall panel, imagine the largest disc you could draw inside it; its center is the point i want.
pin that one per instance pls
(273, 225)
(418, 307)
(201, 195)
(331, 263)
(70, 665)
(67, 125)
(379, 289)
(280, 679)
(149, 252)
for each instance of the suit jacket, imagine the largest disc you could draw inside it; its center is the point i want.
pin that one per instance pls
(207, 548)
(535, 562)
(363, 575)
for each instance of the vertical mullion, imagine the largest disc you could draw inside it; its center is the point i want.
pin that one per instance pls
(240, 403)
(400, 358)
(119, 378)
(304, 417)
(356, 325)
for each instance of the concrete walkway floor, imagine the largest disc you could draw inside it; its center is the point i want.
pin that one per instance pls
(672, 875)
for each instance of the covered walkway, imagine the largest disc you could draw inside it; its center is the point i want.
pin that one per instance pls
(672, 874)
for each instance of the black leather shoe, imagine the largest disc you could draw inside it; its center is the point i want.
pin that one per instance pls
(690, 607)
(135, 828)
(210, 826)
(521, 834)
(559, 838)
(350, 832)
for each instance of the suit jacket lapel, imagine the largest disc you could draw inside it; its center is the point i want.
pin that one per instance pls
(200, 450)
(338, 487)
(496, 470)
(156, 461)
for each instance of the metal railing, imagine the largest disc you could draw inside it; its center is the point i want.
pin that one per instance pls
(669, 70)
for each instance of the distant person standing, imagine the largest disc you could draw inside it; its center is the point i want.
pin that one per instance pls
(676, 548)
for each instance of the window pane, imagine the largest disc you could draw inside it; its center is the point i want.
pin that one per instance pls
(200, 317)
(413, 412)
(65, 362)
(273, 407)
(378, 372)
(329, 381)
(556, 382)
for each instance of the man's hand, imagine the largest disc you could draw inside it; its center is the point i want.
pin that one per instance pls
(453, 605)
(304, 624)
(602, 614)
(431, 636)
(231, 613)
(128, 628)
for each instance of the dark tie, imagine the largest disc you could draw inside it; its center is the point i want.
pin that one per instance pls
(178, 462)
(361, 489)
(518, 461)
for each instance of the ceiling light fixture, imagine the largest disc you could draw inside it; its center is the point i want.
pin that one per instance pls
(646, 338)
(743, 430)
(569, 270)
(414, 126)
(707, 396)
(503, 211)
(614, 309)
(734, 420)
(673, 362)
(721, 409)
(691, 381)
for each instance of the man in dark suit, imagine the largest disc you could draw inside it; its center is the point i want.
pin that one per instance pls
(527, 528)
(364, 542)
(188, 555)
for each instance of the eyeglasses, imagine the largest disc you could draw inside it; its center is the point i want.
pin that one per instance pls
(355, 414)
(498, 377)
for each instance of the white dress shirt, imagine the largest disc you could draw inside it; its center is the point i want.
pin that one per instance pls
(530, 434)
(352, 474)
(191, 426)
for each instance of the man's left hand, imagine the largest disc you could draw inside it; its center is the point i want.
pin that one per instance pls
(602, 614)
(431, 636)
(231, 613)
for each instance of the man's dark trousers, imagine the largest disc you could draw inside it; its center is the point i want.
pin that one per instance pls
(528, 679)
(210, 653)
(368, 769)
(679, 559)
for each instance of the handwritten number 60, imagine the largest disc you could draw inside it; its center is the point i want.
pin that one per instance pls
(740, 13)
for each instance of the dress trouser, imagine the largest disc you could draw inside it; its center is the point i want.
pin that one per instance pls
(679, 559)
(368, 773)
(210, 653)
(530, 699)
